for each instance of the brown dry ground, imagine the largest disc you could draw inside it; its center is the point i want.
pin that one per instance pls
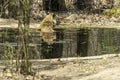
(71, 69)
(68, 21)
(98, 69)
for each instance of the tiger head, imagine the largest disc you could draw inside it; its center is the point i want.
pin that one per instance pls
(56, 19)
(50, 20)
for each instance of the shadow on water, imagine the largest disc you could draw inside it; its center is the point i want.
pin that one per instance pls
(69, 43)
(82, 42)
(85, 42)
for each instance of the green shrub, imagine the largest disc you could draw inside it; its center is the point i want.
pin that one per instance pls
(114, 12)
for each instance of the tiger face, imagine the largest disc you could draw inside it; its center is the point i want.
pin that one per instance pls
(56, 20)
(51, 20)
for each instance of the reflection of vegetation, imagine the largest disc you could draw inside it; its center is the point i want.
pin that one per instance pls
(103, 41)
(109, 40)
(8, 54)
(112, 12)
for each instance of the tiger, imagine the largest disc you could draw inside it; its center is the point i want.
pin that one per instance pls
(46, 27)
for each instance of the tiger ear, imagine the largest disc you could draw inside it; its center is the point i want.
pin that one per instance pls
(52, 14)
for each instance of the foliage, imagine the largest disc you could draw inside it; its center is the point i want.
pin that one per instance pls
(70, 6)
(3, 7)
(8, 8)
(115, 11)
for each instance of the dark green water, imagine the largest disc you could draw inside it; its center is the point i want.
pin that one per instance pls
(69, 43)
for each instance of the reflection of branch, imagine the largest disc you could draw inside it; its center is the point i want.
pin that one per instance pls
(0, 10)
